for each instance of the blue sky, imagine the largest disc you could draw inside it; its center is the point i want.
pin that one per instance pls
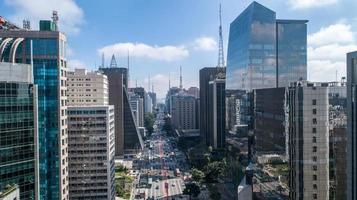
(164, 34)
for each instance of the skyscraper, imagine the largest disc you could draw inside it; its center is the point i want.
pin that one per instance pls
(91, 152)
(351, 126)
(308, 141)
(87, 88)
(184, 111)
(49, 70)
(264, 52)
(216, 114)
(18, 130)
(127, 136)
(206, 75)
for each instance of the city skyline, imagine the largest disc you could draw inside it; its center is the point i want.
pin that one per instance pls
(158, 49)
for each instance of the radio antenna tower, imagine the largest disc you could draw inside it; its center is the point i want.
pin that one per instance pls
(221, 64)
(55, 19)
(181, 86)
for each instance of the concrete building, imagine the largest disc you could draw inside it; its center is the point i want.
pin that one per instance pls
(148, 103)
(168, 101)
(91, 150)
(49, 72)
(153, 99)
(137, 107)
(308, 141)
(86, 88)
(127, 135)
(184, 112)
(216, 114)
(265, 52)
(351, 125)
(194, 91)
(19, 130)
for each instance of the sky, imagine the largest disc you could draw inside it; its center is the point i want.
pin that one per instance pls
(162, 35)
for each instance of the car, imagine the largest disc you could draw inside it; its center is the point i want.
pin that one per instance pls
(157, 187)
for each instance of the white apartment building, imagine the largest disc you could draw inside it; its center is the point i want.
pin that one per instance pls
(309, 140)
(86, 88)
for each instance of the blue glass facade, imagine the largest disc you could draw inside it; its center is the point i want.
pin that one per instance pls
(17, 137)
(254, 46)
(47, 61)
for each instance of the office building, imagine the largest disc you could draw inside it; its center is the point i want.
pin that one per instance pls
(49, 71)
(184, 112)
(351, 125)
(168, 101)
(338, 145)
(194, 91)
(148, 103)
(91, 152)
(270, 121)
(137, 107)
(216, 114)
(153, 99)
(265, 52)
(206, 75)
(86, 88)
(127, 136)
(18, 130)
(308, 141)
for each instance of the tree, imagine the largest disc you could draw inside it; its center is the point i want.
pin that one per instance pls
(197, 175)
(213, 170)
(213, 193)
(149, 120)
(192, 189)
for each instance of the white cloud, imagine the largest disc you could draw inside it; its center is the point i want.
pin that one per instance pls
(340, 33)
(165, 53)
(327, 52)
(305, 4)
(205, 44)
(76, 64)
(71, 16)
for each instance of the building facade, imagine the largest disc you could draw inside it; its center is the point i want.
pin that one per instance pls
(91, 133)
(206, 75)
(127, 136)
(49, 71)
(18, 130)
(264, 52)
(270, 121)
(216, 114)
(184, 112)
(351, 125)
(308, 141)
(86, 88)
(137, 107)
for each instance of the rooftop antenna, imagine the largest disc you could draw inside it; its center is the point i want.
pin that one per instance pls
(136, 83)
(26, 24)
(55, 19)
(113, 62)
(181, 86)
(149, 84)
(152, 87)
(221, 63)
(103, 59)
(128, 69)
(169, 81)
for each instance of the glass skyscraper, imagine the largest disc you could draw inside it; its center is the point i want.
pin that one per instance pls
(49, 72)
(264, 52)
(18, 129)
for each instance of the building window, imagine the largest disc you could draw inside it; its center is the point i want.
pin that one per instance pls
(314, 158)
(314, 177)
(315, 196)
(314, 111)
(314, 139)
(313, 130)
(314, 121)
(314, 149)
(314, 102)
(314, 167)
(314, 186)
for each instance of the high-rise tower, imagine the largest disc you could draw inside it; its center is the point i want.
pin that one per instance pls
(181, 86)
